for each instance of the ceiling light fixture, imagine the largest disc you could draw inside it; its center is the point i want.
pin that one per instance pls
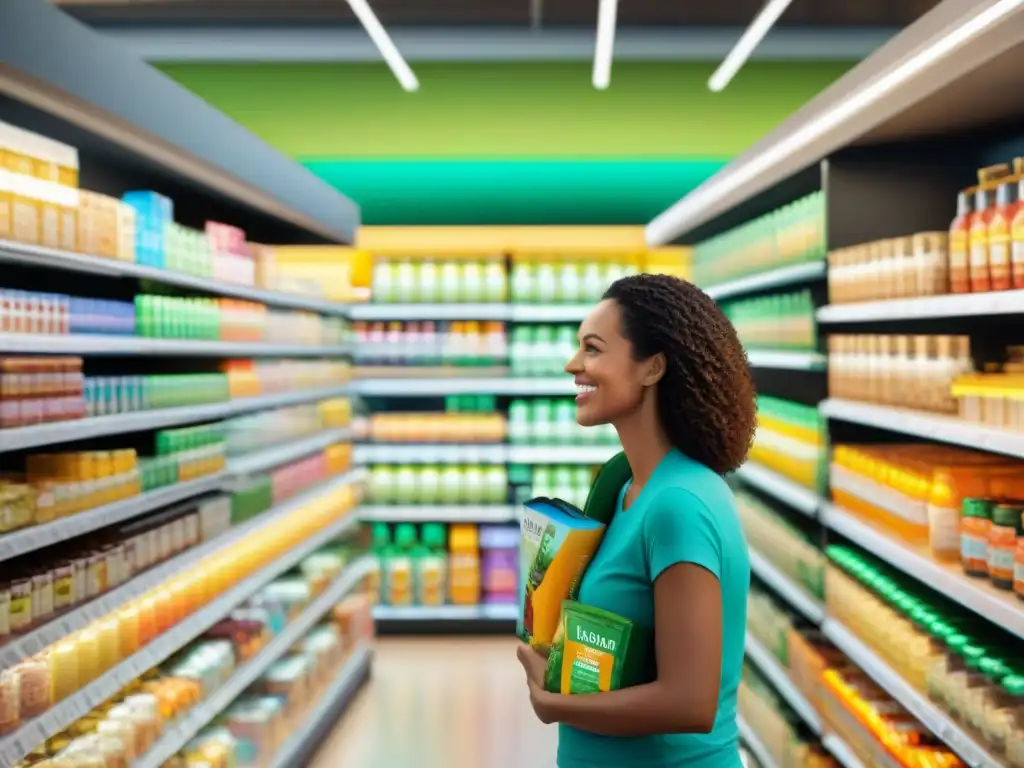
(605, 45)
(380, 37)
(671, 223)
(745, 46)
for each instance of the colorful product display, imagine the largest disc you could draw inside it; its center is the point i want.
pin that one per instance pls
(906, 371)
(448, 484)
(897, 268)
(793, 234)
(165, 317)
(542, 350)
(463, 565)
(255, 431)
(41, 204)
(786, 546)
(777, 728)
(412, 281)
(970, 671)
(917, 491)
(484, 426)
(457, 343)
(544, 281)
(31, 687)
(56, 485)
(791, 440)
(776, 321)
(72, 573)
(546, 421)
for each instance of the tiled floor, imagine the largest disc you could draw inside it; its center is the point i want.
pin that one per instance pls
(442, 703)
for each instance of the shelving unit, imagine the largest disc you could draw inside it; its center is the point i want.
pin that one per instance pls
(779, 678)
(799, 497)
(130, 128)
(785, 588)
(52, 258)
(18, 438)
(867, 144)
(305, 741)
(443, 386)
(178, 735)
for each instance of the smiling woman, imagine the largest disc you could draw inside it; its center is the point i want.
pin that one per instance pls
(659, 361)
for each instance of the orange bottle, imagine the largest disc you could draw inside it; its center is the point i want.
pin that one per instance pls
(959, 253)
(999, 255)
(977, 241)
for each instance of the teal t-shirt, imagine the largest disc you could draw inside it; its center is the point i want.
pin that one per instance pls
(685, 514)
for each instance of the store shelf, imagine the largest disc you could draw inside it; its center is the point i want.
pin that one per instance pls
(998, 606)
(943, 429)
(561, 454)
(81, 429)
(794, 361)
(786, 588)
(445, 613)
(441, 513)
(755, 745)
(30, 643)
(442, 312)
(312, 732)
(780, 487)
(98, 344)
(107, 101)
(925, 308)
(18, 744)
(841, 751)
(959, 57)
(794, 274)
(181, 732)
(779, 678)
(270, 458)
(431, 453)
(442, 387)
(916, 703)
(51, 258)
(39, 536)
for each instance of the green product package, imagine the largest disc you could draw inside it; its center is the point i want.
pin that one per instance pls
(596, 651)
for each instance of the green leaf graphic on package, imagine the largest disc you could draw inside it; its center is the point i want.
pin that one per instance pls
(596, 651)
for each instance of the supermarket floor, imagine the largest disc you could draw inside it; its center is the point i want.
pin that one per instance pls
(441, 703)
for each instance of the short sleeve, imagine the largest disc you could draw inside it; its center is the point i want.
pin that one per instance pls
(679, 528)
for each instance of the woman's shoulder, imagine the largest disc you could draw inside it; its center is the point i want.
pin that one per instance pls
(683, 477)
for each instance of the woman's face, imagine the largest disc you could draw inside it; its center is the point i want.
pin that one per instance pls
(609, 382)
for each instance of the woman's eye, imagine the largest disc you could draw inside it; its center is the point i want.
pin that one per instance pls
(591, 348)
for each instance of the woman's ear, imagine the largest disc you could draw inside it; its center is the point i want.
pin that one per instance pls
(655, 369)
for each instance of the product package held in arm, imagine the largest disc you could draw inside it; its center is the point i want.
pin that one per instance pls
(557, 543)
(595, 651)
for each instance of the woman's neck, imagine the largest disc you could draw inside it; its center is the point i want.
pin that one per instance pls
(644, 442)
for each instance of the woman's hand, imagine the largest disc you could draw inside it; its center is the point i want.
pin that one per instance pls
(535, 663)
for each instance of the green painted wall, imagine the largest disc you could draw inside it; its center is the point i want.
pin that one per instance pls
(515, 143)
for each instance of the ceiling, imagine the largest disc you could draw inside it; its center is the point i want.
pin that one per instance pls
(548, 13)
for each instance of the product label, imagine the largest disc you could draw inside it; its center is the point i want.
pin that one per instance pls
(973, 548)
(586, 669)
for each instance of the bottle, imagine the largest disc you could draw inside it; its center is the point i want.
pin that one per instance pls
(398, 573)
(1002, 544)
(999, 248)
(463, 565)
(431, 563)
(975, 524)
(979, 269)
(959, 251)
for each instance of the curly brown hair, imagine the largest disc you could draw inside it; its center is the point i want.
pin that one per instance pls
(706, 399)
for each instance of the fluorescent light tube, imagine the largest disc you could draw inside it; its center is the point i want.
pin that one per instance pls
(745, 46)
(666, 226)
(401, 70)
(605, 45)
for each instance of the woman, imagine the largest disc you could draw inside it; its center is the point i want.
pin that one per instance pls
(658, 359)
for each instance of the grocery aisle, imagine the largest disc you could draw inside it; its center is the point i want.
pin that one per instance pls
(446, 702)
